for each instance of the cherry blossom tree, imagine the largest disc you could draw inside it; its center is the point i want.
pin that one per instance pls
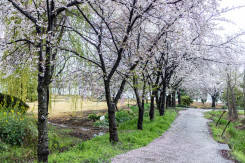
(31, 33)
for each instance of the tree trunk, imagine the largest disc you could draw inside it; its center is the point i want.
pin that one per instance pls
(162, 103)
(147, 100)
(139, 103)
(141, 117)
(228, 103)
(168, 101)
(213, 101)
(157, 101)
(174, 99)
(111, 114)
(179, 97)
(234, 105)
(42, 146)
(42, 90)
(152, 109)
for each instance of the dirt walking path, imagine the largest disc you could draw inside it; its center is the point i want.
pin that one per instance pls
(187, 141)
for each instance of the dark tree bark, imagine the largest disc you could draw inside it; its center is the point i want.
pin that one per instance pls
(179, 97)
(213, 101)
(228, 103)
(44, 78)
(174, 99)
(162, 102)
(42, 146)
(168, 101)
(42, 90)
(111, 113)
(158, 101)
(152, 108)
(234, 105)
(139, 103)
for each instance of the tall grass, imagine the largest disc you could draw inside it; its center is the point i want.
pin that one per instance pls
(233, 136)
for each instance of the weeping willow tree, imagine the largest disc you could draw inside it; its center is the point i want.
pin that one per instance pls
(22, 84)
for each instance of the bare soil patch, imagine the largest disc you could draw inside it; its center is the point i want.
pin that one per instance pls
(79, 123)
(227, 155)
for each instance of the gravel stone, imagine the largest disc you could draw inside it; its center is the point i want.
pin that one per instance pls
(187, 141)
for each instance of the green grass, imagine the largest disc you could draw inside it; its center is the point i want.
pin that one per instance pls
(66, 148)
(59, 141)
(241, 112)
(99, 149)
(233, 136)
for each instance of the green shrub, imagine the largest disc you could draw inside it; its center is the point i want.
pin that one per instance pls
(94, 116)
(122, 116)
(14, 127)
(238, 96)
(224, 107)
(8, 103)
(186, 100)
(203, 100)
(104, 123)
(233, 136)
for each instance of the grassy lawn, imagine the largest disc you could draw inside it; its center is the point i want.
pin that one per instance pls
(241, 112)
(234, 134)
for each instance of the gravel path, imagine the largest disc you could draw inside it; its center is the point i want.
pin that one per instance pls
(187, 141)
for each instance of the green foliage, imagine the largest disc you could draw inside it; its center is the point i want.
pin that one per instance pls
(121, 116)
(238, 96)
(22, 83)
(99, 149)
(224, 107)
(233, 136)
(94, 116)
(59, 140)
(186, 100)
(14, 127)
(203, 100)
(8, 103)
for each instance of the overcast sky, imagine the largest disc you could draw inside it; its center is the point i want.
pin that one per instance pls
(237, 16)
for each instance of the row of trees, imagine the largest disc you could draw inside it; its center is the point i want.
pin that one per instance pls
(151, 47)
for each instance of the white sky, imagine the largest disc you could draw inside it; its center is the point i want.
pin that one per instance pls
(237, 16)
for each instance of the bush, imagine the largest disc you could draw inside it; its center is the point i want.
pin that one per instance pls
(8, 103)
(224, 107)
(14, 128)
(122, 116)
(94, 117)
(238, 96)
(186, 100)
(203, 101)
